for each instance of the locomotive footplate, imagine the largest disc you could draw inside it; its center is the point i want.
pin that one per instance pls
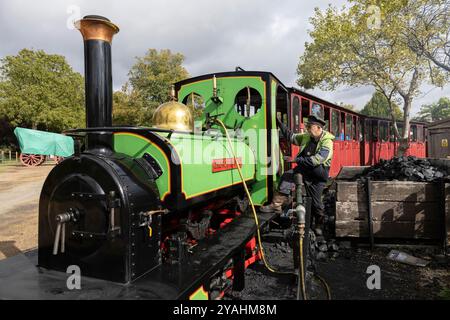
(21, 279)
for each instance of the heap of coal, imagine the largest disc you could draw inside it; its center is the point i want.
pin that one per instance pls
(320, 248)
(405, 169)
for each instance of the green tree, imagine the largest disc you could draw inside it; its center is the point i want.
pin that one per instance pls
(152, 76)
(379, 106)
(428, 32)
(347, 106)
(6, 134)
(128, 108)
(436, 111)
(41, 91)
(366, 44)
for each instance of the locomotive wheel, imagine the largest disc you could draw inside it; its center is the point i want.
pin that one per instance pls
(31, 160)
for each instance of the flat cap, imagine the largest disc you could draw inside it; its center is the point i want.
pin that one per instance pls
(316, 120)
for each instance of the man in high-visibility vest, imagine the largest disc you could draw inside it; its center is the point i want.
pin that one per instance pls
(313, 162)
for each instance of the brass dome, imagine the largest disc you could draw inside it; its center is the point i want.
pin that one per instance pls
(173, 115)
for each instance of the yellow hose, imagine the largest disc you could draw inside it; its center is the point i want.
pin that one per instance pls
(325, 284)
(261, 249)
(302, 270)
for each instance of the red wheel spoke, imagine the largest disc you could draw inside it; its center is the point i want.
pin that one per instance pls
(31, 160)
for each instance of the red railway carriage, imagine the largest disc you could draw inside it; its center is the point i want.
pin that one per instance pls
(360, 140)
(379, 140)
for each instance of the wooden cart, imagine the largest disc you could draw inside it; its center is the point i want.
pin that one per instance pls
(37, 146)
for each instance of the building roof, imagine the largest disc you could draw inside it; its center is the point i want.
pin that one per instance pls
(445, 123)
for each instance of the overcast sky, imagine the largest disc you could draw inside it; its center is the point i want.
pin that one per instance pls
(214, 36)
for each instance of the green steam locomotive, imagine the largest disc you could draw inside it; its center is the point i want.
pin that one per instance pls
(161, 212)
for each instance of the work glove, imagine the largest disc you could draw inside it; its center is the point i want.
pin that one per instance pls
(304, 162)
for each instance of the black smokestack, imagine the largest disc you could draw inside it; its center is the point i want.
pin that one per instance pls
(97, 34)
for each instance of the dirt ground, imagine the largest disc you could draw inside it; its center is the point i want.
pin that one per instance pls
(346, 274)
(20, 188)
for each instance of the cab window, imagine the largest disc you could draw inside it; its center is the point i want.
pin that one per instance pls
(248, 102)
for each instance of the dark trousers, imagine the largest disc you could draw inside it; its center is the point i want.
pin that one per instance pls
(314, 180)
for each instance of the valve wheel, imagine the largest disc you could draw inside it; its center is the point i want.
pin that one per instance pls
(32, 160)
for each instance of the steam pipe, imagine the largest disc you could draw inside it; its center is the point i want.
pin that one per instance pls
(300, 213)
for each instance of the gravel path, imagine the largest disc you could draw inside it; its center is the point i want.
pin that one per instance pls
(20, 188)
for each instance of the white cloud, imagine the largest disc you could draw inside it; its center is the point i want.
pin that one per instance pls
(282, 26)
(214, 36)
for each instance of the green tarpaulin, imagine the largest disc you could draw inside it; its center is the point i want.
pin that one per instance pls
(45, 143)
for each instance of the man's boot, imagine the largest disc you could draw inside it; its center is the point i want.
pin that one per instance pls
(279, 200)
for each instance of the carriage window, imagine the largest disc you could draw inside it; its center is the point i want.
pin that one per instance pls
(335, 123)
(383, 131)
(355, 133)
(349, 127)
(400, 129)
(326, 117)
(296, 114)
(360, 130)
(305, 110)
(414, 133)
(317, 110)
(374, 130)
(248, 102)
(342, 133)
(367, 130)
(391, 132)
(420, 133)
